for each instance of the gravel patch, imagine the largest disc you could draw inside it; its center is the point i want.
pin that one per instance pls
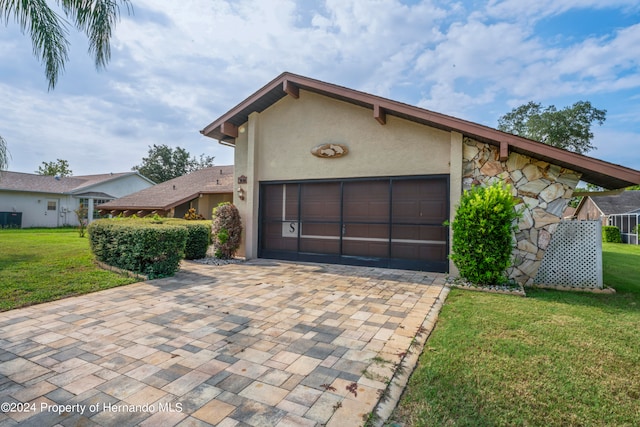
(508, 289)
(218, 261)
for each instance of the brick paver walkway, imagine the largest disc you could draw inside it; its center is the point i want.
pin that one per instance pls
(262, 343)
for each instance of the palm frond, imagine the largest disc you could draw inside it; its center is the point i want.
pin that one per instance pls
(47, 30)
(96, 18)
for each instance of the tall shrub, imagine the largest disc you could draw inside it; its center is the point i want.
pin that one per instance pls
(482, 234)
(226, 230)
(611, 234)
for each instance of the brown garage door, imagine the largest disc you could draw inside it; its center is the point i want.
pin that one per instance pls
(388, 222)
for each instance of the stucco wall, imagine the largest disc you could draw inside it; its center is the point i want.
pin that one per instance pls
(34, 208)
(543, 191)
(276, 145)
(292, 127)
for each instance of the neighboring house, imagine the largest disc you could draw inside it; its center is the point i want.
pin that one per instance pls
(621, 210)
(331, 174)
(601, 207)
(48, 201)
(202, 190)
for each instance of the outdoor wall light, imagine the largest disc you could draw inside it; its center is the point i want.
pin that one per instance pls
(241, 193)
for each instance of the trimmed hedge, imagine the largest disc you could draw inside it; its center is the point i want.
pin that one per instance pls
(145, 247)
(611, 234)
(198, 236)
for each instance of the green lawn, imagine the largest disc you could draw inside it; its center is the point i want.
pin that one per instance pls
(38, 265)
(553, 358)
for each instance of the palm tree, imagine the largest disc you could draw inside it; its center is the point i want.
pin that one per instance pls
(48, 31)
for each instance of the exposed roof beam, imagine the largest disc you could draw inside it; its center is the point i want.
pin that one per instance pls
(229, 129)
(598, 193)
(291, 89)
(379, 114)
(504, 151)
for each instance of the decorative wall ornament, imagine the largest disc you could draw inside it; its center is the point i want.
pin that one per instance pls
(330, 151)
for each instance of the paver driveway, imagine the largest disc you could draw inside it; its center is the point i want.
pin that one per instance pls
(262, 343)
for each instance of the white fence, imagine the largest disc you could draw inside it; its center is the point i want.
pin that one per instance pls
(627, 223)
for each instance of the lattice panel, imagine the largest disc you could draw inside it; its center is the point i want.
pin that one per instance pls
(574, 256)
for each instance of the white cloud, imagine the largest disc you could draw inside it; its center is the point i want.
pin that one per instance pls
(176, 66)
(540, 9)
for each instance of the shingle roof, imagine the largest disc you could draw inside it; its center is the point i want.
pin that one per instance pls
(166, 195)
(18, 181)
(624, 202)
(595, 171)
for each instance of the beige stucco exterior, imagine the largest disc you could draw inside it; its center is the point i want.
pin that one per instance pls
(276, 145)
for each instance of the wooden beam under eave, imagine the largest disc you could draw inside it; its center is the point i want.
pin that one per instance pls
(504, 151)
(379, 114)
(229, 129)
(291, 89)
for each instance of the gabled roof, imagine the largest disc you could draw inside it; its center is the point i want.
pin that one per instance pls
(169, 194)
(625, 202)
(601, 173)
(32, 183)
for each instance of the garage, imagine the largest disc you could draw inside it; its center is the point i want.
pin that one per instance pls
(394, 222)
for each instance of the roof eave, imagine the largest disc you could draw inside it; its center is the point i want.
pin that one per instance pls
(595, 171)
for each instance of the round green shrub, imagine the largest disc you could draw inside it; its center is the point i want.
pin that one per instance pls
(482, 234)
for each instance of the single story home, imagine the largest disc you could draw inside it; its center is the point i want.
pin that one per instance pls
(600, 207)
(30, 200)
(201, 190)
(331, 174)
(620, 210)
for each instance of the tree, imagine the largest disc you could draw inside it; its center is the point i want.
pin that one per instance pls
(58, 168)
(569, 128)
(48, 30)
(4, 154)
(165, 163)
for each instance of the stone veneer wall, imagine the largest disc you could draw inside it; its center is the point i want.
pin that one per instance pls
(543, 191)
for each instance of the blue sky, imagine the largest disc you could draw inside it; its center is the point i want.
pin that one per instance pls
(177, 66)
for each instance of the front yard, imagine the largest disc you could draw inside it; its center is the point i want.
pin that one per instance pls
(38, 265)
(553, 358)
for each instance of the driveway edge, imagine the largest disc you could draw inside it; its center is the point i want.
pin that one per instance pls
(393, 393)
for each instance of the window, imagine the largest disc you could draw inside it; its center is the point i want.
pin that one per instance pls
(84, 204)
(52, 205)
(96, 211)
